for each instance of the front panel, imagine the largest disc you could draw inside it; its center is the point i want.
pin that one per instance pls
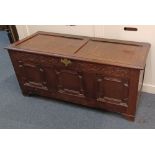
(70, 82)
(32, 75)
(112, 90)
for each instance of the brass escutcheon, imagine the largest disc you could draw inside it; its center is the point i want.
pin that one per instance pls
(66, 62)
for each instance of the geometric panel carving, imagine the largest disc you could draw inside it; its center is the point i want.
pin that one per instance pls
(104, 69)
(32, 75)
(70, 82)
(112, 90)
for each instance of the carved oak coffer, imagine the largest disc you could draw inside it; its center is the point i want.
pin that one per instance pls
(100, 73)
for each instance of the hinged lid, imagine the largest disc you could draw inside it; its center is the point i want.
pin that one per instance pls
(50, 43)
(104, 51)
(116, 52)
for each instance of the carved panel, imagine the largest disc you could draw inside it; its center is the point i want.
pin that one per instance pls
(45, 60)
(107, 70)
(70, 82)
(32, 75)
(112, 90)
(37, 59)
(115, 71)
(104, 69)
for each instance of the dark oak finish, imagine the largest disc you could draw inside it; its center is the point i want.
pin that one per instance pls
(100, 73)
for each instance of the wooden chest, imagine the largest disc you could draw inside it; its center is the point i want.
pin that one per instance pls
(100, 73)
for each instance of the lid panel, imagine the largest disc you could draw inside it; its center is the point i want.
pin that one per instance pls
(114, 53)
(52, 44)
